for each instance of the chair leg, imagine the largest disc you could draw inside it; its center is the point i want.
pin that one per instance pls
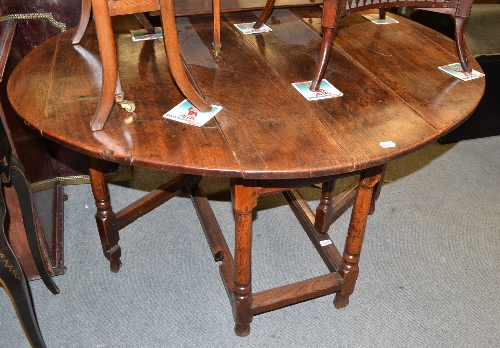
(13, 281)
(173, 51)
(326, 49)
(84, 22)
(381, 13)
(329, 21)
(217, 45)
(146, 24)
(459, 39)
(109, 61)
(266, 13)
(349, 267)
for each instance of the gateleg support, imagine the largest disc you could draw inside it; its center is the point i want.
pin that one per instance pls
(105, 217)
(349, 268)
(244, 197)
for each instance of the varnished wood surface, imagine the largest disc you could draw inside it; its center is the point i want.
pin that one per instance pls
(396, 64)
(392, 89)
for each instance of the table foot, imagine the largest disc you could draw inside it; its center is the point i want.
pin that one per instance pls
(242, 330)
(115, 265)
(340, 301)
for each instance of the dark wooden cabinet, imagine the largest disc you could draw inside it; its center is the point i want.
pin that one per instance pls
(44, 161)
(32, 31)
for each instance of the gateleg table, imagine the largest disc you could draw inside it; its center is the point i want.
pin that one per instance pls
(266, 139)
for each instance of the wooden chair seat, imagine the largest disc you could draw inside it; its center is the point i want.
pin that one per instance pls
(111, 89)
(334, 10)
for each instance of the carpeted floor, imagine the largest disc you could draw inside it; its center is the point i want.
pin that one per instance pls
(429, 269)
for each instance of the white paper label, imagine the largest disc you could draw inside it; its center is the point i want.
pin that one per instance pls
(387, 144)
(325, 242)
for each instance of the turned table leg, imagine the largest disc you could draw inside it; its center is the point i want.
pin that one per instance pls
(105, 217)
(244, 201)
(377, 189)
(349, 267)
(325, 207)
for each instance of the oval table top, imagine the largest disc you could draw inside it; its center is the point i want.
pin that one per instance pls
(393, 91)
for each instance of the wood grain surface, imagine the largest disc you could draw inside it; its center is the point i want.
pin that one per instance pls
(392, 89)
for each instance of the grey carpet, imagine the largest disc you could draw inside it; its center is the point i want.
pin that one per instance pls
(429, 268)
